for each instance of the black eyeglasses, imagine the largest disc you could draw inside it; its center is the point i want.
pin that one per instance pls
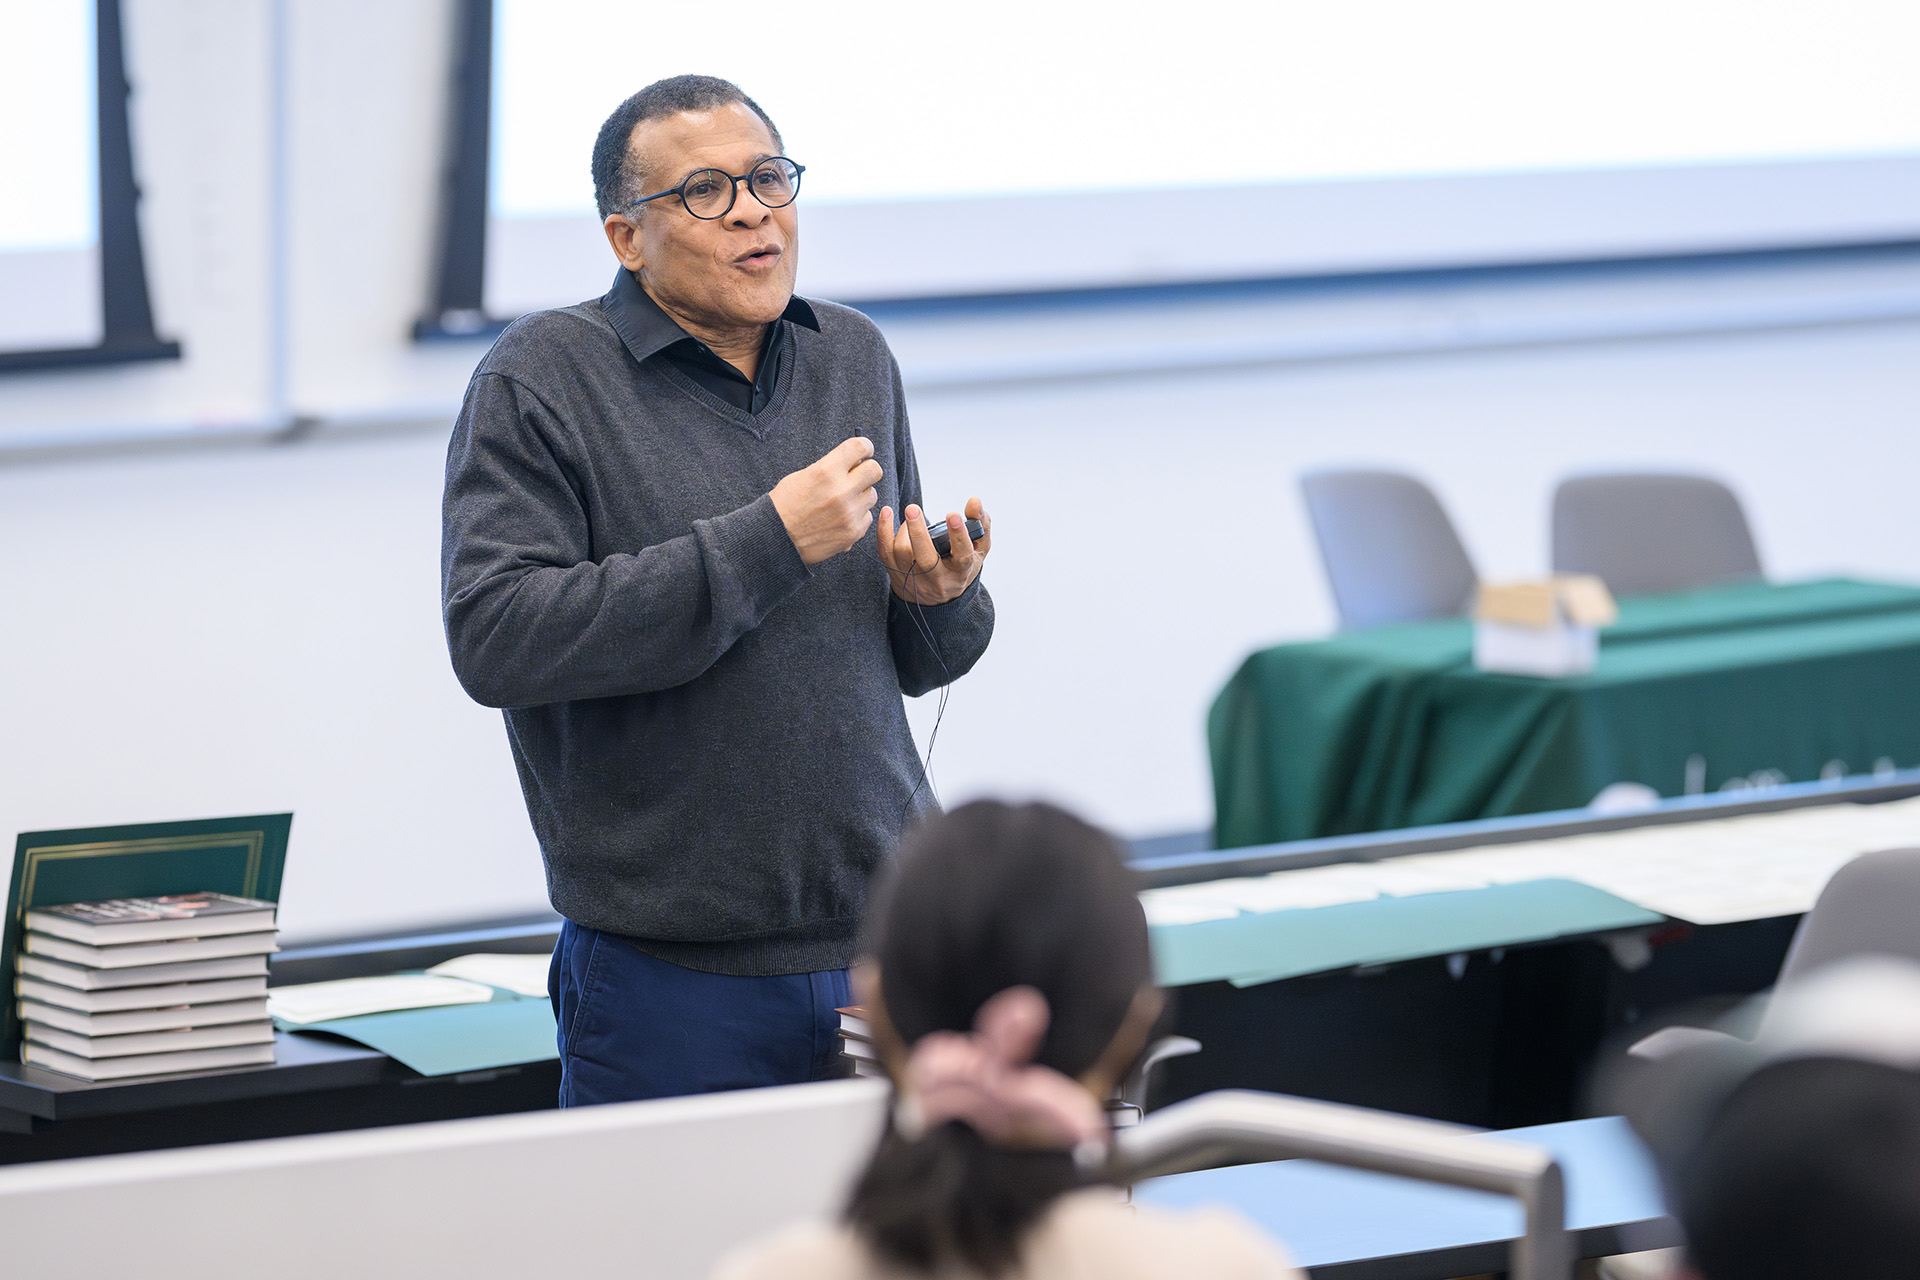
(710, 193)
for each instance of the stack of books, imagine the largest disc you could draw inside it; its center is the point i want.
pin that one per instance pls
(146, 986)
(856, 1042)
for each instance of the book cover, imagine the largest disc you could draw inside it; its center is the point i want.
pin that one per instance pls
(241, 856)
(135, 1020)
(145, 1064)
(81, 978)
(173, 915)
(122, 999)
(144, 1042)
(133, 954)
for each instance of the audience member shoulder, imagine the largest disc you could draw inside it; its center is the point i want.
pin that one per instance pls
(1092, 1234)
(1087, 1235)
(543, 342)
(801, 1252)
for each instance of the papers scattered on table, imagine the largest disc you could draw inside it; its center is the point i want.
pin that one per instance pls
(351, 997)
(1290, 890)
(523, 975)
(1711, 872)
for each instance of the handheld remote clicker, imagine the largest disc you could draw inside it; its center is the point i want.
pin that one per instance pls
(943, 543)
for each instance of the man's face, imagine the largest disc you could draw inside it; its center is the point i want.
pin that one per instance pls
(722, 273)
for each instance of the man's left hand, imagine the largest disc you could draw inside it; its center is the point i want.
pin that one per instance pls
(919, 574)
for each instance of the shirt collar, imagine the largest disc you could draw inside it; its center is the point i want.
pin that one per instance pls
(647, 330)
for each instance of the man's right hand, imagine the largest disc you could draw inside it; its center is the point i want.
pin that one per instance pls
(828, 506)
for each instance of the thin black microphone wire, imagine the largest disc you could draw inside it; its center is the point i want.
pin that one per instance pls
(918, 614)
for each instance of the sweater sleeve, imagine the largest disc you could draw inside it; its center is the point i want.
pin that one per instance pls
(934, 644)
(531, 618)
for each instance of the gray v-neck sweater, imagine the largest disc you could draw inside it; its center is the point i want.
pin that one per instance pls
(709, 733)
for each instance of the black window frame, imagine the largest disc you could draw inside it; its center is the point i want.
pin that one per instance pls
(126, 309)
(457, 308)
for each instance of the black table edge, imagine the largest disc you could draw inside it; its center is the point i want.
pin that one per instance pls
(303, 1065)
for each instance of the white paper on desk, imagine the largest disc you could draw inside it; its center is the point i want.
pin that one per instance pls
(1394, 879)
(1497, 864)
(1256, 895)
(1165, 911)
(523, 975)
(1188, 903)
(311, 1002)
(1712, 872)
(1294, 890)
(1893, 825)
(1328, 886)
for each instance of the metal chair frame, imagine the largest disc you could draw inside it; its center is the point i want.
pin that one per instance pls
(1235, 1126)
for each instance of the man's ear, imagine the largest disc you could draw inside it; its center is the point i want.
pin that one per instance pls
(624, 236)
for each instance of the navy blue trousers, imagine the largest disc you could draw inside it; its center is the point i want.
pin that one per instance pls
(634, 1026)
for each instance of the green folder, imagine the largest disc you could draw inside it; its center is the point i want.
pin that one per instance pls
(511, 1030)
(1252, 949)
(241, 856)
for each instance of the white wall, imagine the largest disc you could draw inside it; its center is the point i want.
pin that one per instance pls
(1151, 532)
(229, 631)
(223, 631)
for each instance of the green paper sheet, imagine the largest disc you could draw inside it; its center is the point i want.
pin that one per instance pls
(453, 1038)
(1251, 949)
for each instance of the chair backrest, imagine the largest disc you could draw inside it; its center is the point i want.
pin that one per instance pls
(1871, 906)
(1391, 553)
(1647, 534)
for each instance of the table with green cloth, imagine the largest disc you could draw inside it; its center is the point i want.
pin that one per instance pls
(1739, 684)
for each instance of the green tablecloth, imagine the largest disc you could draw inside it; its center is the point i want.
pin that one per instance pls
(1393, 727)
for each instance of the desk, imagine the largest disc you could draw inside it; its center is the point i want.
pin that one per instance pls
(1348, 1224)
(316, 1086)
(1392, 727)
(316, 1083)
(1449, 1009)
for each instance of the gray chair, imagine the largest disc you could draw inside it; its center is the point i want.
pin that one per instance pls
(1647, 534)
(1390, 551)
(1870, 906)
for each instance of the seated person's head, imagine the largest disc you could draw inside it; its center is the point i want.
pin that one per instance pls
(1810, 1168)
(1010, 992)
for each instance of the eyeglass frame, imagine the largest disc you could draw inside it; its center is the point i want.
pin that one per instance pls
(733, 189)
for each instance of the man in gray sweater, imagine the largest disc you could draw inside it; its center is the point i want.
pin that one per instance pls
(661, 558)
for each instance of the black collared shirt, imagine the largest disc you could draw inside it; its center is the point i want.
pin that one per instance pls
(650, 333)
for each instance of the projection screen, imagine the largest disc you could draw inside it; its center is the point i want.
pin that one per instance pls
(999, 146)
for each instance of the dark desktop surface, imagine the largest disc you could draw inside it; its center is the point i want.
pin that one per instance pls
(318, 1084)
